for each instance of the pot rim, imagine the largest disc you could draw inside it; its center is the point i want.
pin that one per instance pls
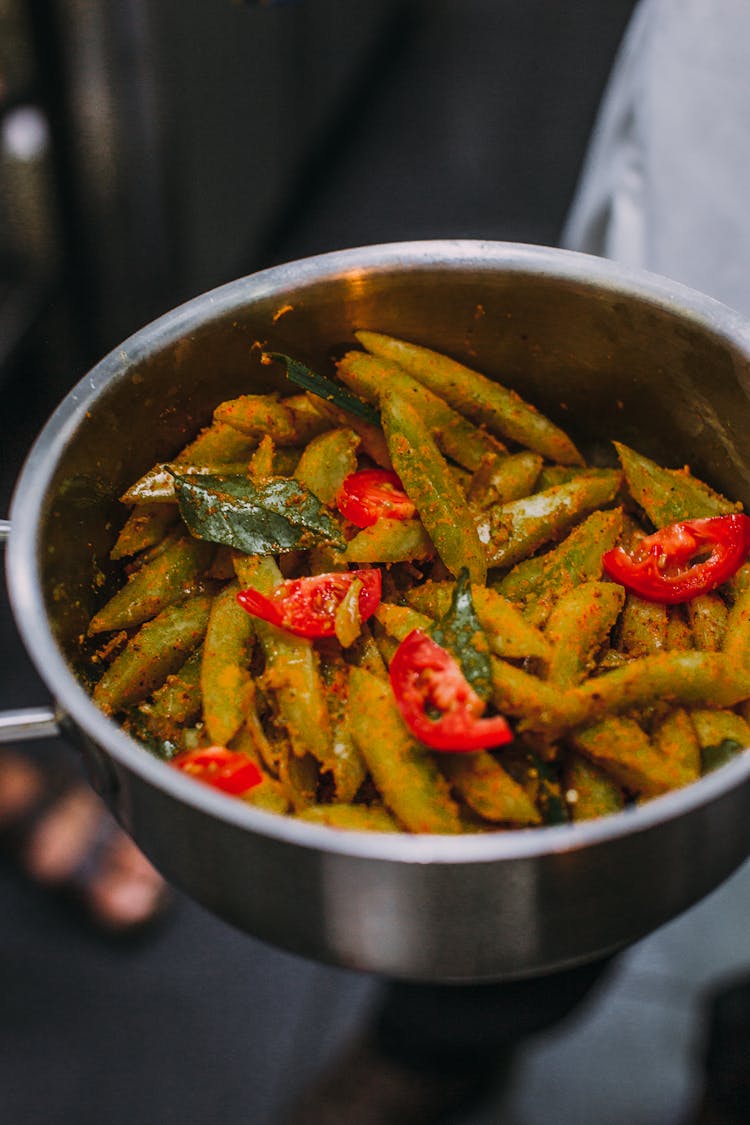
(27, 508)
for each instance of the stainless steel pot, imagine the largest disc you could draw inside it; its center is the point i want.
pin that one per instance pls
(608, 352)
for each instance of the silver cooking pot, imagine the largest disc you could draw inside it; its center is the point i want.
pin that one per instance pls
(609, 353)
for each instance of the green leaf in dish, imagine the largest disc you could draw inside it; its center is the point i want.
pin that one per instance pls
(260, 518)
(460, 632)
(326, 388)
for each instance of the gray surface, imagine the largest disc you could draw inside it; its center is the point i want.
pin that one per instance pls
(202, 1024)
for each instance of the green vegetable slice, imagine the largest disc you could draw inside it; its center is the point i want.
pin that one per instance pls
(460, 632)
(326, 388)
(259, 518)
(714, 756)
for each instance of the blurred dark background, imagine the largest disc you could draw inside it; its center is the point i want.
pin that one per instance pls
(149, 151)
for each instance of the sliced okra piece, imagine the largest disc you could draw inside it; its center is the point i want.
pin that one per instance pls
(400, 620)
(589, 790)
(370, 376)
(218, 444)
(390, 541)
(675, 738)
(503, 478)
(228, 689)
(707, 617)
(511, 532)
(713, 727)
(428, 483)
(159, 648)
(738, 584)
(684, 679)
(146, 526)
(578, 558)
(486, 403)
(357, 818)
(351, 768)
(268, 795)
(177, 703)
(539, 705)
(669, 495)
(578, 627)
(488, 789)
(326, 463)
(679, 634)
(620, 747)
(403, 770)
(256, 415)
(643, 627)
(736, 643)
(159, 582)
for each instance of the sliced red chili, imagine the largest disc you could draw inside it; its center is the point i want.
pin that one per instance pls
(371, 493)
(437, 702)
(307, 606)
(227, 770)
(683, 560)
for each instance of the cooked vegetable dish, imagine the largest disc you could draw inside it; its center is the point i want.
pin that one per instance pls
(397, 599)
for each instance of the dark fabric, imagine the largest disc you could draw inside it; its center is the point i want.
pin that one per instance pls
(470, 1025)
(727, 1059)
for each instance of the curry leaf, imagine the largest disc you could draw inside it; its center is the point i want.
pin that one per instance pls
(460, 632)
(326, 388)
(265, 517)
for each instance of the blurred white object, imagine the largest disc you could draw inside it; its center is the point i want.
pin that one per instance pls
(25, 133)
(27, 214)
(666, 181)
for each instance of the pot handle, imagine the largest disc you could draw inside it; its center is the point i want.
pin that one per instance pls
(28, 722)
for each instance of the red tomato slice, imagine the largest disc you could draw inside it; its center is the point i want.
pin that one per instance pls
(425, 679)
(371, 493)
(663, 567)
(307, 606)
(227, 770)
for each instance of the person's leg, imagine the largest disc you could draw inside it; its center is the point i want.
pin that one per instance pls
(469, 1025)
(60, 834)
(726, 1095)
(435, 1050)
